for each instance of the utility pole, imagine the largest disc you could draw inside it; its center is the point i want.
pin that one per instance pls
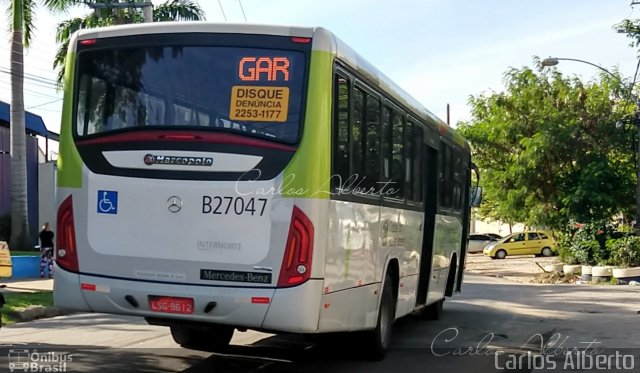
(147, 10)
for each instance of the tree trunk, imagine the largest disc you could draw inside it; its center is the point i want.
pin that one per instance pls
(19, 239)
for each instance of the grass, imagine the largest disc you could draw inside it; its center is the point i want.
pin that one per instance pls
(17, 301)
(24, 253)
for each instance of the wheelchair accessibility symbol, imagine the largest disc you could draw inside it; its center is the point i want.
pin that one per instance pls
(107, 202)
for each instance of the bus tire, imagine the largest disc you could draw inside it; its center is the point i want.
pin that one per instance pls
(205, 338)
(378, 340)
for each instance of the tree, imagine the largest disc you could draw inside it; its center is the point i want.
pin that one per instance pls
(21, 13)
(550, 149)
(172, 10)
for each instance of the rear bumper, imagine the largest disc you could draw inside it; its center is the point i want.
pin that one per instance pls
(293, 310)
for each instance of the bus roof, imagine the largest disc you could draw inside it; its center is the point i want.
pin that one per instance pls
(323, 40)
(355, 60)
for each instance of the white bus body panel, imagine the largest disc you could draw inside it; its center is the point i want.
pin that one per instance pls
(293, 310)
(180, 244)
(362, 240)
(447, 241)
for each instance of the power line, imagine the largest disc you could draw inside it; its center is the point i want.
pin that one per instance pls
(34, 49)
(8, 84)
(45, 104)
(33, 77)
(30, 83)
(242, 8)
(222, 10)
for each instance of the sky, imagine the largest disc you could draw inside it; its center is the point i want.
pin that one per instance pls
(439, 51)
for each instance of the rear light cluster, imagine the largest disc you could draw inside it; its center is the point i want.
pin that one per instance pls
(296, 263)
(300, 40)
(66, 251)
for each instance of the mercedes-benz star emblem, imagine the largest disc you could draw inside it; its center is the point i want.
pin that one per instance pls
(174, 204)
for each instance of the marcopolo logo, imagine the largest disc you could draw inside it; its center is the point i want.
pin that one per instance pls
(34, 361)
(151, 159)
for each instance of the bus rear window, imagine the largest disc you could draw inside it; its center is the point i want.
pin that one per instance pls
(254, 91)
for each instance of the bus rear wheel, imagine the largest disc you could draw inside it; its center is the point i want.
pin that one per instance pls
(206, 338)
(378, 340)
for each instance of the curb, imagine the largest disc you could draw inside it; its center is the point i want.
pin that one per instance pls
(35, 312)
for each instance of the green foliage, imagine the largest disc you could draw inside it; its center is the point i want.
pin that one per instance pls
(565, 253)
(33, 252)
(625, 252)
(171, 10)
(549, 149)
(631, 27)
(587, 244)
(17, 301)
(598, 243)
(583, 251)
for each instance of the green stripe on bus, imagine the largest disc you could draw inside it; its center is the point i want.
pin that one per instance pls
(307, 175)
(69, 161)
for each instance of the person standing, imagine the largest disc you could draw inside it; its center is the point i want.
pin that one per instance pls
(46, 251)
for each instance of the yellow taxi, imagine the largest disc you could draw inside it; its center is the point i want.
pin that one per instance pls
(522, 243)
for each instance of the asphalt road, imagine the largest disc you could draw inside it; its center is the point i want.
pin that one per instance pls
(491, 316)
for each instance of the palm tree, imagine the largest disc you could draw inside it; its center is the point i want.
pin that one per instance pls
(172, 10)
(21, 13)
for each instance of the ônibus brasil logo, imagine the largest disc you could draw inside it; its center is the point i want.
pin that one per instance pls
(151, 159)
(34, 361)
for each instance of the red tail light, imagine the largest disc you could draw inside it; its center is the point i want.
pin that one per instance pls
(301, 40)
(296, 263)
(66, 252)
(180, 137)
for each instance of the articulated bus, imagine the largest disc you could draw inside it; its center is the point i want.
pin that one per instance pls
(214, 177)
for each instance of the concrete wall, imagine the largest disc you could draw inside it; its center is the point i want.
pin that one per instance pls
(47, 194)
(480, 226)
(32, 180)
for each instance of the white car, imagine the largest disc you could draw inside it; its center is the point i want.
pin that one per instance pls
(477, 242)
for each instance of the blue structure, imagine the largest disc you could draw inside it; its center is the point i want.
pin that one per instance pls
(34, 127)
(26, 267)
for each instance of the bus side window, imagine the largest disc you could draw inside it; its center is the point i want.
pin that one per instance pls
(341, 152)
(458, 180)
(417, 164)
(387, 142)
(372, 155)
(397, 162)
(446, 187)
(357, 135)
(408, 161)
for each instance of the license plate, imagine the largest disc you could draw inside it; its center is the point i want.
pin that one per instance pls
(171, 304)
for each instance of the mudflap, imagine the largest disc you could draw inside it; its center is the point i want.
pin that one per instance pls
(2, 302)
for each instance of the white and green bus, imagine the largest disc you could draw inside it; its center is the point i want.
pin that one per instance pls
(214, 177)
